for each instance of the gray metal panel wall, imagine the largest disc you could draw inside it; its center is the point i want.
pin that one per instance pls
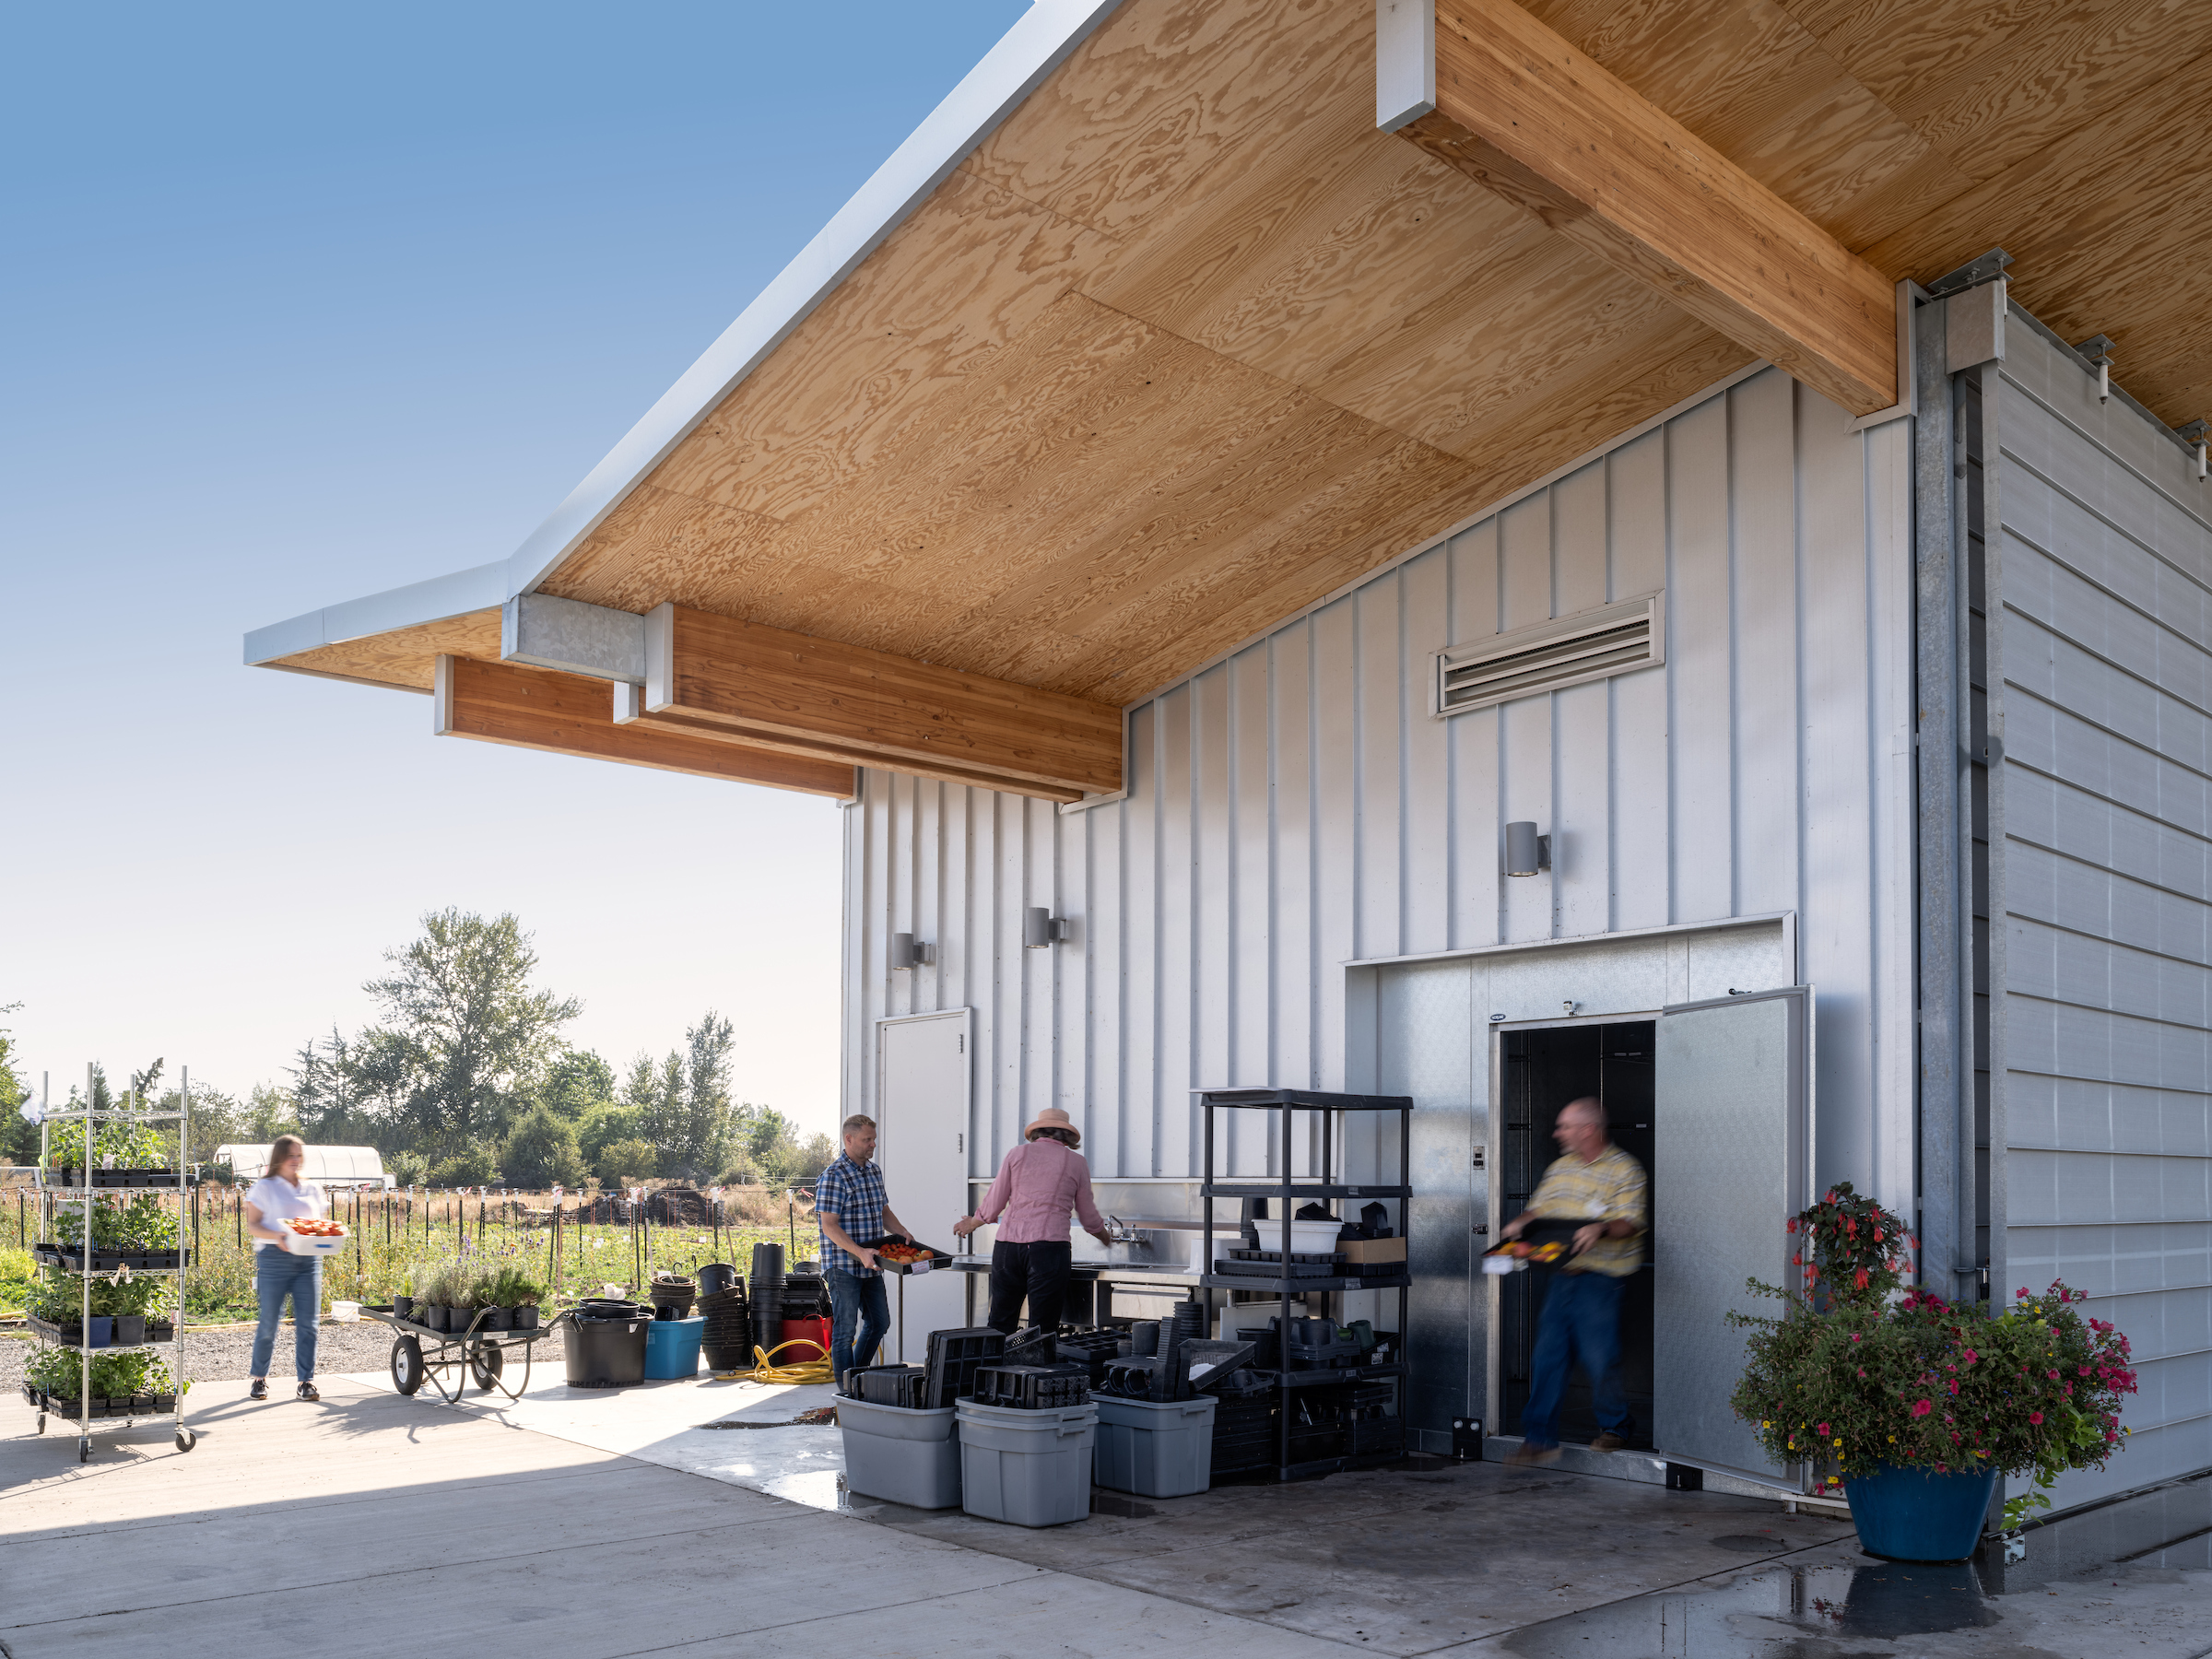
(1295, 807)
(2101, 871)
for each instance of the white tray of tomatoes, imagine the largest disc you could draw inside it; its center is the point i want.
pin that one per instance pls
(307, 1235)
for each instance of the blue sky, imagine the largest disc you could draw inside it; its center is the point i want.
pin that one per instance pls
(303, 304)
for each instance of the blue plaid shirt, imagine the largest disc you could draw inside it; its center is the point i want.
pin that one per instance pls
(853, 1193)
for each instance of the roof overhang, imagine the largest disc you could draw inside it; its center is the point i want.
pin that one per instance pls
(1164, 325)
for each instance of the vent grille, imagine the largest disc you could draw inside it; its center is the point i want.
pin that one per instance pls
(1569, 651)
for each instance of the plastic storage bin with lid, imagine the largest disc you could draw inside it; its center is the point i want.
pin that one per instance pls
(1030, 1468)
(1154, 1448)
(902, 1454)
(671, 1347)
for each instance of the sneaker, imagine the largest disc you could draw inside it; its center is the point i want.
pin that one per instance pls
(260, 1391)
(1608, 1441)
(1533, 1457)
(307, 1392)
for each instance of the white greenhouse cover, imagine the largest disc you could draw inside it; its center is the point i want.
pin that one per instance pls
(323, 1163)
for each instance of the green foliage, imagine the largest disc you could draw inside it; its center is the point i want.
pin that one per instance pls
(469, 1165)
(1856, 1382)
(140, 1223)
(604, 1125)
(19, 1140)
(575, 1083)
(542, 1152)
(57, 1370)
(465, 1043)
(507, 1286)
(629, 1161)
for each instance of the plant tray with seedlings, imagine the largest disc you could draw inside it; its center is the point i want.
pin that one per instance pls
(904, 1255)
(71, 1257)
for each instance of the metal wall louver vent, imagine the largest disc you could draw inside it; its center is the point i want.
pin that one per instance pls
(1568, 651)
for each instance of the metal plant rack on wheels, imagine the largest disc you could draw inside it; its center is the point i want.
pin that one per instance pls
(1332, 1110)
(85, 1260)
(474, 1353)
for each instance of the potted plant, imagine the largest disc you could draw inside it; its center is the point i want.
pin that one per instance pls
(1917, 1405)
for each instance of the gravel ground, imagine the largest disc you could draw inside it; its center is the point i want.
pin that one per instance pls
(221, 1355)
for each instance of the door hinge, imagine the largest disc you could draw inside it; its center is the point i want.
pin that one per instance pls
(964, 1049)
(963, 1146)
(1480, 1153)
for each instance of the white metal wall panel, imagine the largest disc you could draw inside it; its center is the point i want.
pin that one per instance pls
(2102, 619)
(1296, 807)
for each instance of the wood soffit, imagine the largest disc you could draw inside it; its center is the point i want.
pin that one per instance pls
(1187, 344)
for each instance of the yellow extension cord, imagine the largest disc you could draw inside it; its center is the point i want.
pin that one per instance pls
(812, 1371)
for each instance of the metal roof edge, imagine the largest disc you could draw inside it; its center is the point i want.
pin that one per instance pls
(1037, 43)
(453, 594)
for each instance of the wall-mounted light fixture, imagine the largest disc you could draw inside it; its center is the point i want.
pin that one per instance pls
(1041, 928)
(2097, 351)
(2197, 434)
(907, 952)
(1525, 851)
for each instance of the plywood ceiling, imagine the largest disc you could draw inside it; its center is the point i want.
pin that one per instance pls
(1188, 343)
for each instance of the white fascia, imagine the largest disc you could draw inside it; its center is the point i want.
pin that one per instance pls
(1039, 42)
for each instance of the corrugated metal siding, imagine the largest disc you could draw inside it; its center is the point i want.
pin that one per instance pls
(2103, 873)
(1295, 807)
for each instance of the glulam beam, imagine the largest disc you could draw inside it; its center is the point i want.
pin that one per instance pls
(1516, 108)
(567, 714)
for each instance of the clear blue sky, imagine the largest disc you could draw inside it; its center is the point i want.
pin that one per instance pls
(306, 302)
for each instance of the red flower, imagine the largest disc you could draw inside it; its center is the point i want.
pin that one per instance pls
(1793, 1224)
(1921, 1408)
(1819, 1428)
(2035, 1417)
(1859, 1279)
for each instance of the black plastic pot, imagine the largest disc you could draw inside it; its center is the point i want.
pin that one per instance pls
(402, 1307)
(130, 1329)
(606, 1352)
(497, 1319)
(715, 1276)
(431, 1316)
(525, 1319)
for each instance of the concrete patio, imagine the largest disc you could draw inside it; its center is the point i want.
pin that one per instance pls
(611, 1524)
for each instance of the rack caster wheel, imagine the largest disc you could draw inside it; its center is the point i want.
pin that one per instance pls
(84, 1451)
(41, 1428)
(186, 1439)
(487, 1367)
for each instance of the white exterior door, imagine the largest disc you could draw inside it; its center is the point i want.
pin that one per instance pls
(1731, 1164)
(922, 1089)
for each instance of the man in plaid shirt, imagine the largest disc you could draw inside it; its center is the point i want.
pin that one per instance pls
(849, 1205)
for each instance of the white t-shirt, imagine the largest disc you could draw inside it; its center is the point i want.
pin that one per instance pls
(276, 1198)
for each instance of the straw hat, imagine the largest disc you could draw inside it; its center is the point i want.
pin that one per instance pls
(1052, 1117)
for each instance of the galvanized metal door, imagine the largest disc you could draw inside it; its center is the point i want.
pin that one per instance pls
(1730, 1166)
(922, 1091)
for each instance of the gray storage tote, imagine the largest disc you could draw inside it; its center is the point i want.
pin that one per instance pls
(1031, 1468)
(1155, 1448)
(902, 1454)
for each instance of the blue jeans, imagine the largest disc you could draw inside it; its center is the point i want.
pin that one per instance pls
(1580, 1320)
(856, 1299)
(276, 1274)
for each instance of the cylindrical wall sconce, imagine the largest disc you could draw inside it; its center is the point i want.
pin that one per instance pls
(1041, 928)
(1525, 851)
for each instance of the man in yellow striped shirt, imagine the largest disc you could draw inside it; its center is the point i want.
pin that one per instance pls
(1594, 1181)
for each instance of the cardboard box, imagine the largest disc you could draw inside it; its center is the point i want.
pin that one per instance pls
(1371, 1250)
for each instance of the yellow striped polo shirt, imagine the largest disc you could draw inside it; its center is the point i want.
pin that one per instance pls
(1612, 1187)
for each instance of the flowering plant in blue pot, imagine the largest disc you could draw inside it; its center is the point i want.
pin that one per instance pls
(1917, 1405)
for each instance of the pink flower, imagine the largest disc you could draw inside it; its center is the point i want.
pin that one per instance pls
(2035, 1417)
(1820, 1428)
(1921, 1408)
(2053, 1375)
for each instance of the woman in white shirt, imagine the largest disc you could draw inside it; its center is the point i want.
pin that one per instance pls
(276, 1271)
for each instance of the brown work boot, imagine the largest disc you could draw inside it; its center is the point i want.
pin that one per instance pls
(1608, 1441)
(1533, 1457)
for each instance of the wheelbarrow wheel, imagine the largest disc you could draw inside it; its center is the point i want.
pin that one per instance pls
(406, 1364)
(487, 1366)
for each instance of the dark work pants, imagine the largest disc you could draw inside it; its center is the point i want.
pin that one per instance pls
(1580, 1320)
(1037, 1271)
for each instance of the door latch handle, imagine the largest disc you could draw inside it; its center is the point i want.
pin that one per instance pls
(1484, 1229)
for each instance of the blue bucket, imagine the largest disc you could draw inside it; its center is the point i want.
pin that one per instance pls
(672, 1347)
(1917, 1515)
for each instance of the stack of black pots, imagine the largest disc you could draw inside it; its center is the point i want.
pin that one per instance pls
(727, 1338)
(672, 1296)
(768, 1296)
(806, 1293)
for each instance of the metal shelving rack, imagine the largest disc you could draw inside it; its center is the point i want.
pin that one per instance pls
(1333, 1108)
(84, 1196)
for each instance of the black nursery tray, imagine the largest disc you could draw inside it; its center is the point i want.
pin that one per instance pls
(106, 1261)
(938, 1258)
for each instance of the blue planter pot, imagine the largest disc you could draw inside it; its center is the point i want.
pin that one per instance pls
(100, 1331)
(1918, 1515)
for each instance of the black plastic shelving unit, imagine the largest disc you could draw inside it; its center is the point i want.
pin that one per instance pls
(1284, 1104)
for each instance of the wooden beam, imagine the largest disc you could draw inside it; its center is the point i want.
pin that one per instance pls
(809, 696)
(1525, 114)
(567, 714)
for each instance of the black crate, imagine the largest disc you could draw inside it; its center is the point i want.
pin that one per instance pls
(1032, 1387)
(1032, 1346)
(886, 1384)
(1295, 1258)
(1373, 1435)
(1247, 1268)
(953, 1358)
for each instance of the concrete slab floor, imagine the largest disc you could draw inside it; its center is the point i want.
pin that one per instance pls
(584, 1506)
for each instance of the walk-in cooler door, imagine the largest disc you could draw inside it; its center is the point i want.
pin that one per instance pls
(1731, 1156)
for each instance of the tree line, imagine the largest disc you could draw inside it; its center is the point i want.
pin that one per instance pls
(464, 1079)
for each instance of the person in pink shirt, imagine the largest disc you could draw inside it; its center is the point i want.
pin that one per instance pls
(1040, 1184)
